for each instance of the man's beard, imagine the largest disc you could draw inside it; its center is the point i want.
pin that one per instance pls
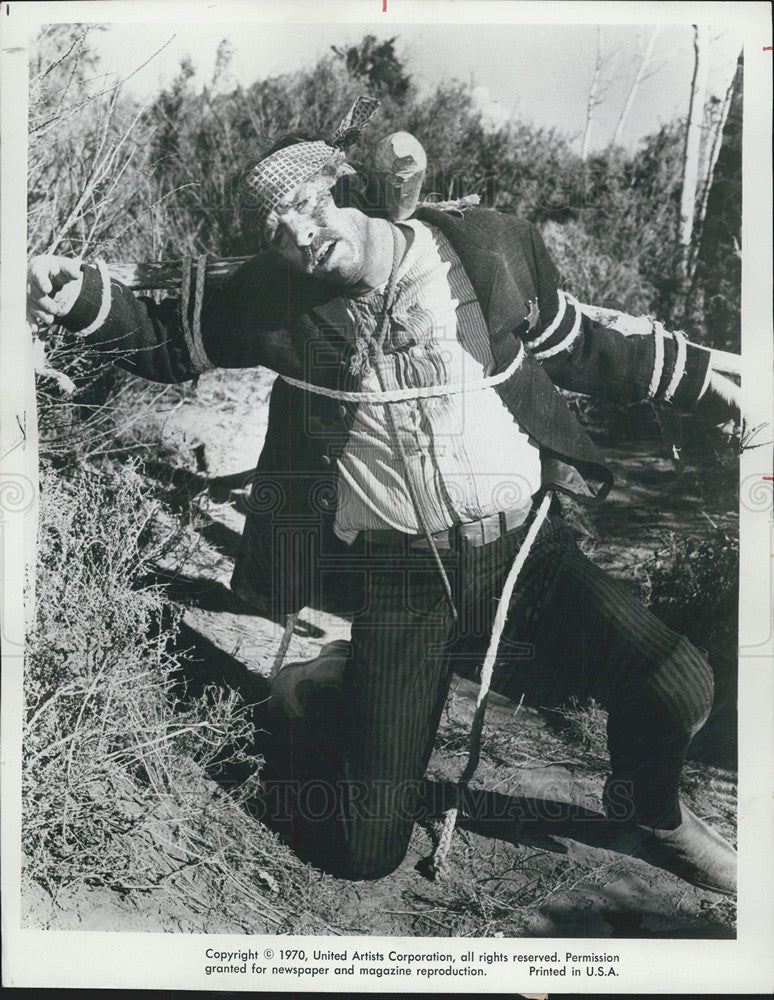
(318, 253)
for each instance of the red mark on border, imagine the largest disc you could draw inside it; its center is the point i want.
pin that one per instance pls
(766, 48)
(384, 6)
(769, 478)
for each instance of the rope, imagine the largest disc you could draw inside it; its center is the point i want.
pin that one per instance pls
(565, 344)
(201, 274)
(410, 486)
(553, 326)
(193, 337)
(679, 368)
(185, 297)
(421, 392)
(105, 301)
(659, 335)
(290, 624)
(441, 853)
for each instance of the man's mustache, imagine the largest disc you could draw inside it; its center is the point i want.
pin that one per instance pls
(310, 254)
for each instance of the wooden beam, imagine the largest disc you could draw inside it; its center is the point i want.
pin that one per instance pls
(169, 273)
(143, 276)
(636, 326)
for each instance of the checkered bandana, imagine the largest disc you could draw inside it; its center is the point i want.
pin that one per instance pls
(273, 179)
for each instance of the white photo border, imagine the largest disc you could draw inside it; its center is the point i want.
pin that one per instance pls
(35, 958)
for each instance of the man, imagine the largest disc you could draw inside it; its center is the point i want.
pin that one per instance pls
(416, 424)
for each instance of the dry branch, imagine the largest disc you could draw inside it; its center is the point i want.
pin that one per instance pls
(593, 98)
(638, 77)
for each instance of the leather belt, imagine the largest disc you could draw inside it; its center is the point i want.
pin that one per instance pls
(471, 533)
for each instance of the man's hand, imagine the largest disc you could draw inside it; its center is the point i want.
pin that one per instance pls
(722, 400)
(723, 404)
(53, 286)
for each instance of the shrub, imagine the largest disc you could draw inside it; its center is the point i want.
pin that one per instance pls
(594, 275)
(694, 583)
(112, 750)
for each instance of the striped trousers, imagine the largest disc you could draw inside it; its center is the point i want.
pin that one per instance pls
(360, 741)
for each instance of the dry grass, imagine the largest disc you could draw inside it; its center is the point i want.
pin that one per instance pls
(116, 754)
(582, 724)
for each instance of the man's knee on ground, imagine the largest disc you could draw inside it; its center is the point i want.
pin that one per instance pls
(378, 817)
(374, 848)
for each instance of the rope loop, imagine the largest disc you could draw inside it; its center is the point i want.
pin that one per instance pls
(193, 335)
(420, 392)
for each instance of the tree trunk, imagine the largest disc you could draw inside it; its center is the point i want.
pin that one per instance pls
(633, 89)
(693, 142)
(593, 100)
(694, 249)
(717, 141)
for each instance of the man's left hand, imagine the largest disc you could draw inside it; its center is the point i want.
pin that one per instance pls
(722, 400)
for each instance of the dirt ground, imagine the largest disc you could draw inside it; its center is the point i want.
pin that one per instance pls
(530, 877)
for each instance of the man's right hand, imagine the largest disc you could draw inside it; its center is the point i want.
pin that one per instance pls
(53, 286)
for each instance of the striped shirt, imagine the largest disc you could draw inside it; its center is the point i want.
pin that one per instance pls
(466, 454)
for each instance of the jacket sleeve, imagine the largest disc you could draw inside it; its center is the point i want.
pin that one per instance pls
(584, 356)
(238, 325)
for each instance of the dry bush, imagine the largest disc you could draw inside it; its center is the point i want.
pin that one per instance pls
(693, 584)
(88, 149)
(595, 275)
(87, 195)
(107, 736)
(117, 755)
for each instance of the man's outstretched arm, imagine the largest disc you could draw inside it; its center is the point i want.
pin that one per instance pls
(237, 325)
(586, 356)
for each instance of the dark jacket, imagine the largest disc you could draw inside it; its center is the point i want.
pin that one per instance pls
(270, 315)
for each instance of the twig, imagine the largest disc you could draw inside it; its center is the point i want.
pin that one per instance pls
(99, 170)
(116, 754)
(85, 701)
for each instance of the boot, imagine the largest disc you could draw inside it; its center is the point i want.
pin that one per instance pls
(296, 690)
(695, 852)
(692, 850)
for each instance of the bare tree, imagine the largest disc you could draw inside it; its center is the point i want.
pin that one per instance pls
(594, 97)
(717, 126)
(638, 77)
(693, 142)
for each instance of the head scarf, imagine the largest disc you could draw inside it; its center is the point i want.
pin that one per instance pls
(271, 180)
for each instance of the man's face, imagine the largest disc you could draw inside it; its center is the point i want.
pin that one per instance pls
(316, 237)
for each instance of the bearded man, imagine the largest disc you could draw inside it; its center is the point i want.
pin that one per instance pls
(414, 428)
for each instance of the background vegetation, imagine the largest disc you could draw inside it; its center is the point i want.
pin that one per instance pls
(107, 719)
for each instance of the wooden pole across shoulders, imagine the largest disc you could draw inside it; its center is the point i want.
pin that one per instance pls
(159, 275)
(147, 276)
